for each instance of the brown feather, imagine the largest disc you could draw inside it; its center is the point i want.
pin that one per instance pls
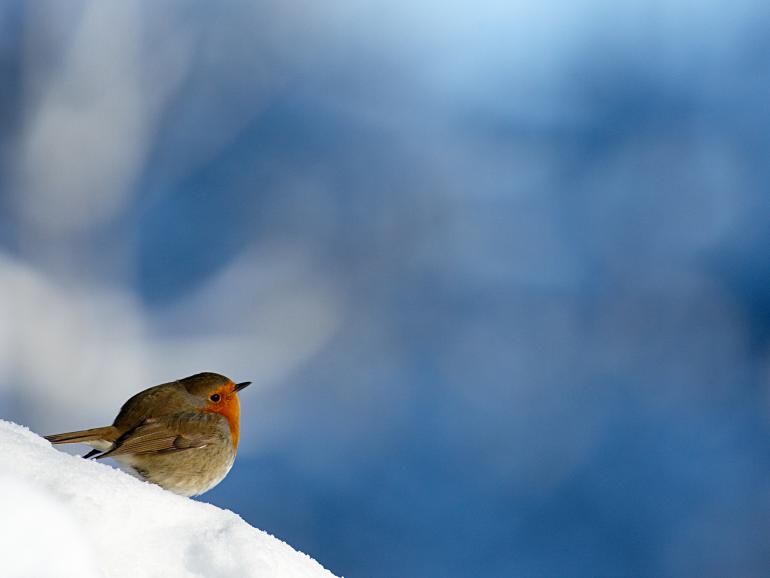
(154, 436)
(109, 434)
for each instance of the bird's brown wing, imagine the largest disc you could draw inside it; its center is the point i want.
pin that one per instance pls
(157, 436)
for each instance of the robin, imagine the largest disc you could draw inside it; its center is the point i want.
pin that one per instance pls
(181, 435)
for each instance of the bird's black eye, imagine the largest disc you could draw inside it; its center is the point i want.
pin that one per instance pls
(215, 397)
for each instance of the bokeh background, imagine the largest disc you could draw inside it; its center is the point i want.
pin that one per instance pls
(500, 271)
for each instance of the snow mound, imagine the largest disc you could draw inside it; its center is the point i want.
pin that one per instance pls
(63, 516)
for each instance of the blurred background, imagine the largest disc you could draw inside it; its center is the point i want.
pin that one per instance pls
(500, 271)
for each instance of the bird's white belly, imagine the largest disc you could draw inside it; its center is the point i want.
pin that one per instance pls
(181, 481)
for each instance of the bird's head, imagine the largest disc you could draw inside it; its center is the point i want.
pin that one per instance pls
(217, 394)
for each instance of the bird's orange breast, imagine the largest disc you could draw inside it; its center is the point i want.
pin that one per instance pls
(230, 408)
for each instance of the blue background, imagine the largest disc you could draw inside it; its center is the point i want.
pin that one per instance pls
(500, 272)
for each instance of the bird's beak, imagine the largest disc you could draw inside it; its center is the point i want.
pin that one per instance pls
(240, 386)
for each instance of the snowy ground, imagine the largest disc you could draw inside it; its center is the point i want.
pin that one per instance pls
(63, 516)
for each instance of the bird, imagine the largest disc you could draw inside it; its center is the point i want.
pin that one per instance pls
(182, 435)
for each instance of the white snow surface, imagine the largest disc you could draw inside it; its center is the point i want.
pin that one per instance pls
(62, 516)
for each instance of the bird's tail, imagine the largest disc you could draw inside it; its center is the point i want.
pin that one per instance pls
(87, 436)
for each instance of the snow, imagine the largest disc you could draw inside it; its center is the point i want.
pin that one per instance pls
(63, 516)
